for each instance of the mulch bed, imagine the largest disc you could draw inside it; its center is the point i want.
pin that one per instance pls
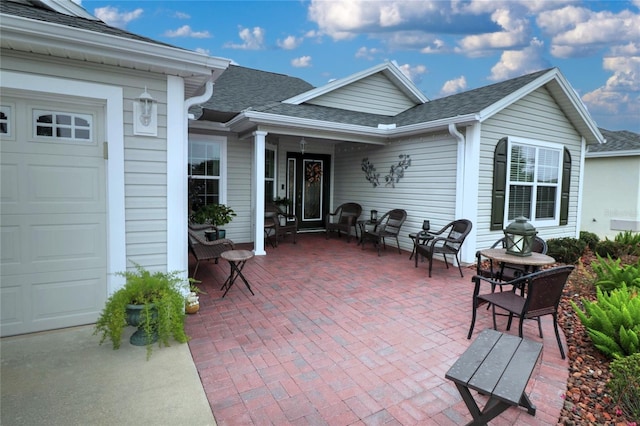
(587, 400)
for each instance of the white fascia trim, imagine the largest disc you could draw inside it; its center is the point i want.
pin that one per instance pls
(627, 153)
(279, 120)
(172, 60)
(388, 68)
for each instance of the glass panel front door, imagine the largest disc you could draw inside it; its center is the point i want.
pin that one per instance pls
(308, 186)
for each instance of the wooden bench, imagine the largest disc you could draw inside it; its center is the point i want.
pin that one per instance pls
(499, 366)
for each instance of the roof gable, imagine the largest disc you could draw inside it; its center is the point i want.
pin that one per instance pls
(382, 89)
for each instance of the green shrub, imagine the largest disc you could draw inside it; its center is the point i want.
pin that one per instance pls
(625, 385)
(613, 321)
(629, 241)
(608, 248)
(610, 274)
(590, 239)
(566, 250)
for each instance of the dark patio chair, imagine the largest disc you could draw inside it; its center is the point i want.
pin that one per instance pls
(539, 295)
(446, 241)
(343, 219)
(506, 271)
(202, 249)
(278, 224)
(387, 227)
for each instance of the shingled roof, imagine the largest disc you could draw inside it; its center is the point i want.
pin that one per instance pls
(240, 88)
(618, 142)
(32, 10)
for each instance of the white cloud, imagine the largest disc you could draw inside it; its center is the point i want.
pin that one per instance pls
(369, 53)
(289, 43)
(301, 62)
(186, 31)
(414, 73)
(454, 86)
(515, 31)
(578, 31)
(252, 39)
(514, 63)
(203, 51)
(112, 16)
(182, 15)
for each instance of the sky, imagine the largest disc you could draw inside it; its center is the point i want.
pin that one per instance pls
(443, 46)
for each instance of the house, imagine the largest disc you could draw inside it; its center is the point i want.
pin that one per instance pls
(379, 142)
(98, 124)
(93, 121)
(611, 196)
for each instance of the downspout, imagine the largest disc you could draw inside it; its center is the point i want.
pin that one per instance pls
(183, 191)
(453, 131)
(460, 174)
(208, 91)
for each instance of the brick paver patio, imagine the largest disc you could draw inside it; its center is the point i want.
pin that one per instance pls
(336, 335)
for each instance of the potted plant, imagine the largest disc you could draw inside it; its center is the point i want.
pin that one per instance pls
(216, 215)
(150, 301)
(192, 302)
(283, 203)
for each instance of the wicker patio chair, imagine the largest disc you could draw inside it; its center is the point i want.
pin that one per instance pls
(446, 241)
(206, 250)
(387, 227)
(278, 224)
(343, 219)
(540, 295)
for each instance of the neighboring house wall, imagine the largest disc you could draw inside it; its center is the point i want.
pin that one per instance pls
(535, 117)
(611, 197)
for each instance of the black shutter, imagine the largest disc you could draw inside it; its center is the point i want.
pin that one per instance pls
(499, 185)
(566, 185)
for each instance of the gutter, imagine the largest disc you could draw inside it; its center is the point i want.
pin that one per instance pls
(385, 131)
(81, 44)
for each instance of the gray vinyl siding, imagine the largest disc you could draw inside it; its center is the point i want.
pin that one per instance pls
(375, 94)
(240, 171)
(538, 117)
(427, 190)
(145, 158)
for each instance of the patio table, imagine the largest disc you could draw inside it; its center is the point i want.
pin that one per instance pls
(498, 365)
(237, 259)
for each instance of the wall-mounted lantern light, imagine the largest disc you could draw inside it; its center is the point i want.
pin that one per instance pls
(145, 115)
(303, 144)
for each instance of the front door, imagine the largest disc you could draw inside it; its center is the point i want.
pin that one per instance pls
(308, 186)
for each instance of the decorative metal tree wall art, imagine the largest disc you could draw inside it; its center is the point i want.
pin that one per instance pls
(370, 172)
(396, 172)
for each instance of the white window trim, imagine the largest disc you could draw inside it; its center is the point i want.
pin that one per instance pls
(274, 148)
(38, 112)
(536, 144)
(196, 137)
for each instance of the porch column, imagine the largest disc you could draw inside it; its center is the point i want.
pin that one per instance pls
(258, 185)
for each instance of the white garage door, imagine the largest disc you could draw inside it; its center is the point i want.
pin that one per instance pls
(52, 213)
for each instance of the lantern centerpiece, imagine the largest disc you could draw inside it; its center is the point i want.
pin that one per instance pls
(374, 216)
(519, 236)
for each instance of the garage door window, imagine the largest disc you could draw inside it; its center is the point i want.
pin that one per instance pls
(5, 115)
(63, 125)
